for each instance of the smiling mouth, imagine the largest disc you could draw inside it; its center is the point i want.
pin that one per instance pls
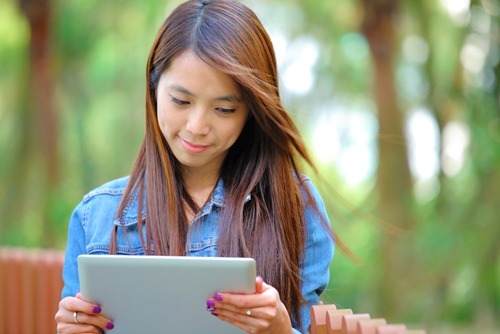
(193, 147)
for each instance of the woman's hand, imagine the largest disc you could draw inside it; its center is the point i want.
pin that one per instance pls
(78, 316)
(262, 312)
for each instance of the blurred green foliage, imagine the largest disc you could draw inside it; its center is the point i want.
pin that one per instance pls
(99, 55)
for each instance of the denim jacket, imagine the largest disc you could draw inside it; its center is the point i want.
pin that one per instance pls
(94, 218)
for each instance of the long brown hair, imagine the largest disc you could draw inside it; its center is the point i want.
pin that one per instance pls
(263, 162)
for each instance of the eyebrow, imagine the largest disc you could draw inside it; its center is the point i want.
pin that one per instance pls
(227, 98)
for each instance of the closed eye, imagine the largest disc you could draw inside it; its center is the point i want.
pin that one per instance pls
(226, 110)
(178, 101)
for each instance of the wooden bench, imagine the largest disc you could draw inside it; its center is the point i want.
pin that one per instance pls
(30, 290)
(327, 319)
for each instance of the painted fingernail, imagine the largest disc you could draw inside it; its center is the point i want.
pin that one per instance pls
(215, 314)
(218, 297)
(210, 305)
(96, 309)
(110, 325)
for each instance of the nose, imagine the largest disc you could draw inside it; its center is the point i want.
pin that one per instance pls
(198, 122)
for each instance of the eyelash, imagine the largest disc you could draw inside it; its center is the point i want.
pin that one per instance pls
(226, 111)
(178, 101)
(183, 103)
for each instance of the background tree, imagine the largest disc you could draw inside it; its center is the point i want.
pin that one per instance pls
(394, 181)
(399, 101)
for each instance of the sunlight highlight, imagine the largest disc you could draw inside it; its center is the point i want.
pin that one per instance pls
(423, 144)
(345, 137)
(474, 53)
(456, 139)
(458, 10)
(298, 68)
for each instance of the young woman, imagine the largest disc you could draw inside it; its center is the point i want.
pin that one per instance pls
(219, 166)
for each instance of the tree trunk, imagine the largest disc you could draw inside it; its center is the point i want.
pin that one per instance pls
(41, 103)
(393, 175)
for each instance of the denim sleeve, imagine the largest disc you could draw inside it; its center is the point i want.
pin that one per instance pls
(315, 269)
(75, 246)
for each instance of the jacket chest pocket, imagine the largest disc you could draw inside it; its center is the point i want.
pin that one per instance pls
(128, 241)
(205, 247)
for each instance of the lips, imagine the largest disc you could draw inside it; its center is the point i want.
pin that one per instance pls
(195, 148)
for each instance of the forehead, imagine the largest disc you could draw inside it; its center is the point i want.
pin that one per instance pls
(190, 74)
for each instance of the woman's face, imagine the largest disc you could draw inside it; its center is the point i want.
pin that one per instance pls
(200, 112)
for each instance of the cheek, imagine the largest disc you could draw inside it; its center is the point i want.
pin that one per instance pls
(233, 134)
(160, 115)
(164, 116)
(163, 122)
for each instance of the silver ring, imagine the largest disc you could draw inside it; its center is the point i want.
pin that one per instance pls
(248, 312)
(75, 317)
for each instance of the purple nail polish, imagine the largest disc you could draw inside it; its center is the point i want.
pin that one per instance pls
(218, 297)
(110, 325)
(215, 314)
(96, 309)
(210, 305)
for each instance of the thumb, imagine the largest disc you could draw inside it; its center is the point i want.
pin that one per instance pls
(259, 285)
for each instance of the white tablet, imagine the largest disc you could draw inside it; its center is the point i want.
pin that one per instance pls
(163, 294)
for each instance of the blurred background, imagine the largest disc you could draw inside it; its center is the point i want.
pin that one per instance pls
(397, 100)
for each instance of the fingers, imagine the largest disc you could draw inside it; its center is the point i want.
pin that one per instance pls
(249, 324)
(78, 304)
(250, 312)
(249, 320)
(78, 316)
(239, 303)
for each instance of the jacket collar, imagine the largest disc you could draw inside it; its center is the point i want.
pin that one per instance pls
(130, 213)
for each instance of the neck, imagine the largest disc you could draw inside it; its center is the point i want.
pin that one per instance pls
(200, 184)
(198, 180)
